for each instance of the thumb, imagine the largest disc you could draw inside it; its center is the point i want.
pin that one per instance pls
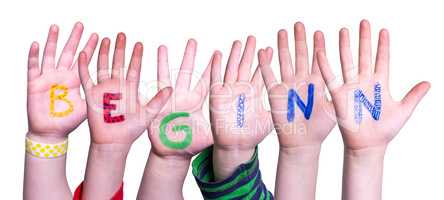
(155, 105)
(414, 96)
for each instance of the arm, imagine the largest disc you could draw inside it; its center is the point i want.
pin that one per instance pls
(239, 124)
(297, 172)
(105, 169)
(116, 118)
(170, 156)
(370, 120)
(235, 142)
(49, 119)
(163, 177)
(298, 106)
(226, 161)
(39, 184)
(363, 173)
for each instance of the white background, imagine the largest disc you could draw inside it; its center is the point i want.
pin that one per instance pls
(414, 163)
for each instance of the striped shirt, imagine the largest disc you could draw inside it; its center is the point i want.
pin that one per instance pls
(244, 183)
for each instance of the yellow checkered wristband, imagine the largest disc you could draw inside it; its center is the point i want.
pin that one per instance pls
(43, 150)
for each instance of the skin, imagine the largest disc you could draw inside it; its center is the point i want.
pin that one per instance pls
(234, 146)
(365, 143)
(43, 128)
(111, 142)
(300, 140)
(167, 168)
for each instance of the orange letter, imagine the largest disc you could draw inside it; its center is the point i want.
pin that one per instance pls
(61, 97)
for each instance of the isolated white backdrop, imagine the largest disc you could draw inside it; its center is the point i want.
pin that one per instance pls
(414, 162)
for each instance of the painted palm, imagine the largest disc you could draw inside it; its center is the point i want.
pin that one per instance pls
(367, 114)
(237, 112)
(115, 114)
(55, 106)
(181, 129)
(301, 112)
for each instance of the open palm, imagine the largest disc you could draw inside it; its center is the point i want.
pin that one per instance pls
(237, 113)
(128, 118)
(299, 128)
(366, 113)
(180, 129)
(56, 117)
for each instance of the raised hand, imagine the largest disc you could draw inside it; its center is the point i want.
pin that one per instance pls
(180, 129)
(239, 120)
(298, 104)
(302, 114)
(115, 114)
(368, 117)
(55, 107)
(366, 112)
(116, 117)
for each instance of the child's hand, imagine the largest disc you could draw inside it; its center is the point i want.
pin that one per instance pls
(368, 117)
(55, 107)
(180, 129)
(237, 113)
(115, 114)
(302, 114)
(239, 120)
(367, 114)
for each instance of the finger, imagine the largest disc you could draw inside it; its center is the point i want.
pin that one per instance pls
(215, 69)
(365, 49)
(319, 45)
(89, 49)
(265, 57)
(69, 51)
(349, 73)
(203, 86)
(119, 57)
(186, 68)
(285, 62)
(163, 69)
(383, 55)
(414, 96)
(327, 74)
(133, 74)
(156, 104)
(48, 62)
(85, 78)
(33, 61)
(233, 63)
(301, 58)
(257, 81)
(103, 61)
(247, 59)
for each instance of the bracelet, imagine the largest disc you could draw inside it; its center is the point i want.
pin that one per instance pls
(43, 150)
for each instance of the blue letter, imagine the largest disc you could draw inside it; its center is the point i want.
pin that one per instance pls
(293, 98)
(361, 99)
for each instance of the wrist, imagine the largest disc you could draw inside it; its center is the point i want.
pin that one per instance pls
(163, 177)
(105, 170)
(168, 167)
(107, 160)
(363, 171)
(297, 169)
(368, 153)
(109, 152)
(48, 138)
(226, 160)
(300, 154)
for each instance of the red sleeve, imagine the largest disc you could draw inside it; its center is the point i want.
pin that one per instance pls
(117, 196)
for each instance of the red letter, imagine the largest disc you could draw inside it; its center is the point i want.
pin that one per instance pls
(107, 107)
